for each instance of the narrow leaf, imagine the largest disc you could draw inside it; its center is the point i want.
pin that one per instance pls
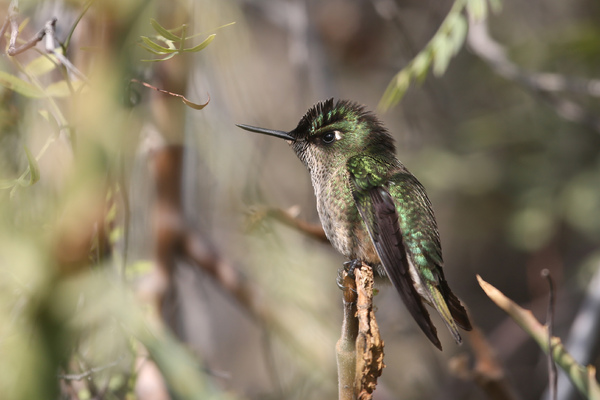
(442, 55)
(61, 88)
(202, 45)
(458, 34)
(19, 85)
(420, 64)
(41, 65)
(162, 59)
(34, 170)
(7, 183)
(156, 47)
(164, 32)
(477, 9)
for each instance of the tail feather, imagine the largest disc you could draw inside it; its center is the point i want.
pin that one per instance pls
(459, 313)
(439, 302)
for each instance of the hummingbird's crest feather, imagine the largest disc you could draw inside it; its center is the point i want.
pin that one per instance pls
(328, 112)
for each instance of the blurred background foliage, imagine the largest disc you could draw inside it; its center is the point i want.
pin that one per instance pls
(512, 174)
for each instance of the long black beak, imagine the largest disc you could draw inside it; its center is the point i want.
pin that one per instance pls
(270, 132)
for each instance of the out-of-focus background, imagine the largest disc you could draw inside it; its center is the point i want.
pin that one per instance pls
(506, 142)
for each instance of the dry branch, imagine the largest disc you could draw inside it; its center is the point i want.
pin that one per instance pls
(582, 377)
(487, 373)
(543, 85)
(360, 348)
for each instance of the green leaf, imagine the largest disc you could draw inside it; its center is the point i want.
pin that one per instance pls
(395, 90)
(458, 34)
(7, 183)
(442, 55)
(162, 59)
(420, 64)
(33, 169)
(42, 65)
(496, 5)
(19, 85)
(164, 32)
(202, 45)
(477, 9)
(156, 47)
(61, 88)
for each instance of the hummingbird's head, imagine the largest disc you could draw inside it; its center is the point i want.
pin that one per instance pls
(332, 132)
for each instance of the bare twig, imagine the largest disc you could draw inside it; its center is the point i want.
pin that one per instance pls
(286, 217)
(550, 324)
(487, 373)
(47, 32)
(91, 371)
(195, 106)
(544, 85)
(582, 377)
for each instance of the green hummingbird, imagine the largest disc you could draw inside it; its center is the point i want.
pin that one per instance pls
(373, 209)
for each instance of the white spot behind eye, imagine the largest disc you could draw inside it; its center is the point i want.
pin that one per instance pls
(338, 135)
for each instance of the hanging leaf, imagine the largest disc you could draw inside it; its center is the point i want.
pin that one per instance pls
(442, 55)
(42, 65)
(161, 59)
(202, 45)
(477, 9)
(445, 44)
(163, 31)
(156, 48)
(61, 88)
(458, 34)
(33, 170)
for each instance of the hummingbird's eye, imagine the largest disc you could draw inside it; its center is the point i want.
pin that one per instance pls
(329, 137)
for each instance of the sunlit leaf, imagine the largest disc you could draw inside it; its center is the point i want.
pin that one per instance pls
(395, 90)
(421, 64)
(477, 9)
(442, 55)
(496, 5)
(42, 64)
(195, 106)
(161, 59)
(163, 32)
(19, 85)
(202, 45)
(33, 169)
(23, 24)
(7, 183)
(156, 47)
(61, 88)
(458, 34)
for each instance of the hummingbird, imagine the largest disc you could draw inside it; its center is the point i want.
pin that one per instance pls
(373, 209)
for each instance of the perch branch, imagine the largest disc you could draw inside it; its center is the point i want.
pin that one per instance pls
(360, 348)
(346, 345)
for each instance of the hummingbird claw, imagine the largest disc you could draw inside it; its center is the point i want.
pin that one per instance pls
(340, 278)
(350, 266)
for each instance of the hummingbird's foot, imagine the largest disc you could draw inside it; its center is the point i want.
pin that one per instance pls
(340, 278)
(350, 266)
